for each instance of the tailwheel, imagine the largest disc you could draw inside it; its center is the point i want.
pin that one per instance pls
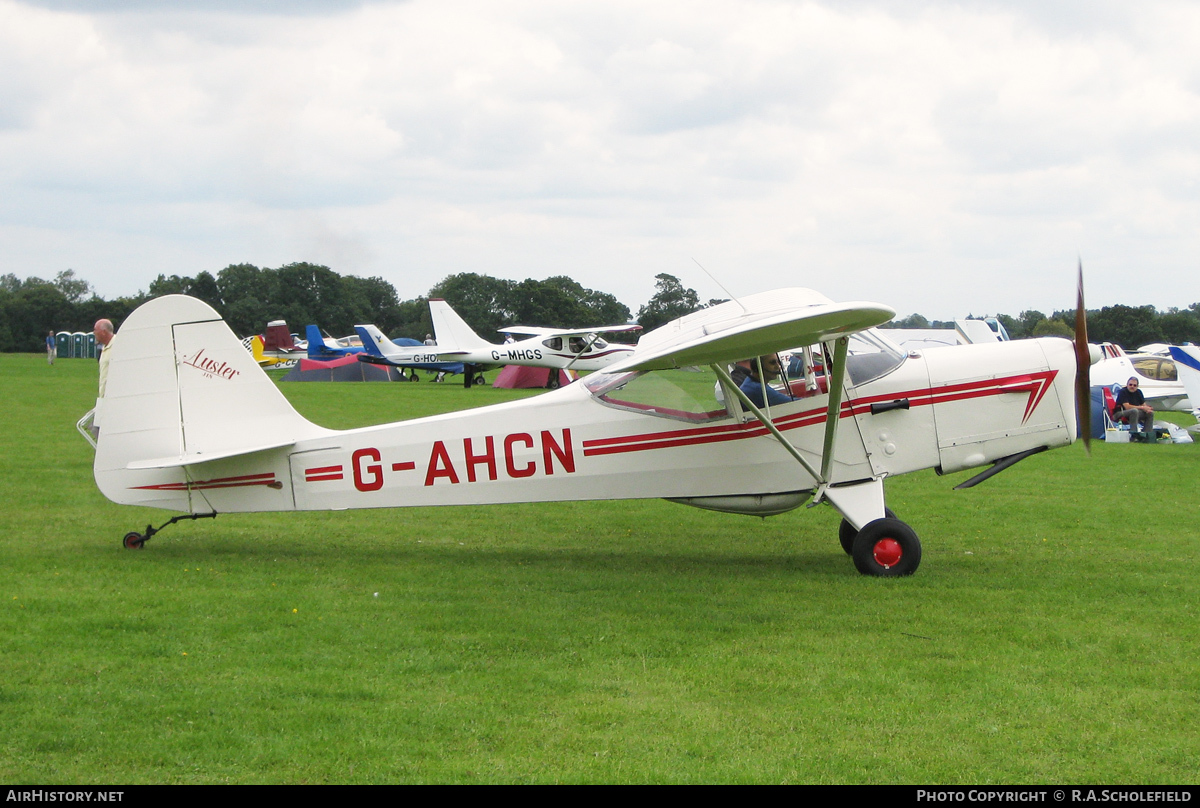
(846, 532)
(887, 548)
(136, 541)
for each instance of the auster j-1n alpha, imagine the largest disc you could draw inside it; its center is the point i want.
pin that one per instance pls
(191, 424)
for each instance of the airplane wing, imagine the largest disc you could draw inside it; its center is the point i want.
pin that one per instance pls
(752, 326)
(537, 331)
(1187, 364)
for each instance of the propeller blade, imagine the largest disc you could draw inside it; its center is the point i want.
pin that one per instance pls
(1083, 366)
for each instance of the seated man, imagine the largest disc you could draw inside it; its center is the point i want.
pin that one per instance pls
(754, 386)
(1131, 406)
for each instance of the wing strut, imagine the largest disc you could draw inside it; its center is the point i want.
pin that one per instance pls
(587, 343)
(836, 379)
(723, 375)
(837, 386)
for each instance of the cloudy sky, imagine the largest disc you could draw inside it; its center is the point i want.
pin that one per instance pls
(940, 157)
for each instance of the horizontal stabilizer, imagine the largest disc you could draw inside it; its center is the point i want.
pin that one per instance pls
(752, 326)
(203, 457)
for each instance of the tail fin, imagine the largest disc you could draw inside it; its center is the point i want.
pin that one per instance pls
(256, 350)
(317, 349)
(451, 331)
(182, 390)
(374, 342)
(278, 337)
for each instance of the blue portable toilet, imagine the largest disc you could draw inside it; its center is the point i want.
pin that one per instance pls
(1098, 412)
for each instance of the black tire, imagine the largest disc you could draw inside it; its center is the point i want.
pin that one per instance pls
(553, 383)
(414, 378)
(133, 541)
(887, 548)
(480, 380)
(846, 532)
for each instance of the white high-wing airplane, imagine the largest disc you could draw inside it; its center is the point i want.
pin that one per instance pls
(559, 348)
(1157, 376)
(639, 429)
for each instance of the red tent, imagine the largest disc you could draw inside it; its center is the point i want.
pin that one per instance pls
(519, 376)
(344, 369)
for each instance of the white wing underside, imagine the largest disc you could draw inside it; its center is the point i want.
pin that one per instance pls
(537, 331)
(752, 326)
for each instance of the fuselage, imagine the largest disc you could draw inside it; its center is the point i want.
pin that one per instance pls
(574, 353)
(639, 435)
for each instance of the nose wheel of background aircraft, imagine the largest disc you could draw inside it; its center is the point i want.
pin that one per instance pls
(887, 548)
(137, 541)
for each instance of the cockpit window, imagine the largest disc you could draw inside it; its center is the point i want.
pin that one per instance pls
(576, 345)
(871, 356)
(554, 343)
(685, 395)
(1153, 367)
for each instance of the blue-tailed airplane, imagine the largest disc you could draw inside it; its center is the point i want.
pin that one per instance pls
(323, 349)
(401, 353)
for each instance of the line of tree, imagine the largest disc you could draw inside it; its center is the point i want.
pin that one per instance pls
(1127, 326)
(248, 296)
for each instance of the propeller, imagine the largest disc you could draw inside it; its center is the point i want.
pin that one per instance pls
(1083, 366)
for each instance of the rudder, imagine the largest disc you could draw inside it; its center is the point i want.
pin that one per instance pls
(182, 390)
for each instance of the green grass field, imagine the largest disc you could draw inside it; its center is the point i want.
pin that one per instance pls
(1050, 635)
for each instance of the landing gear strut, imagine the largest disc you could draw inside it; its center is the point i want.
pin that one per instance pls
(137, 541)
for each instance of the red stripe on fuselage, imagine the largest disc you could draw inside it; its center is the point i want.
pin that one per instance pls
(220, 482)
(1035, 384)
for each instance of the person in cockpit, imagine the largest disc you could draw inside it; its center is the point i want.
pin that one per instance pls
(754, 385)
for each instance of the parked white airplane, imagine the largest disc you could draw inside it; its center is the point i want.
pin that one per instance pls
(965, 332)
(638, 429)
(1157, 376)
(559, 348)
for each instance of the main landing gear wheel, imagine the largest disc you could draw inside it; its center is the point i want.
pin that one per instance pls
(133, 541)
(846, 532)
(552, 383)
(887, 548)
(480, 380)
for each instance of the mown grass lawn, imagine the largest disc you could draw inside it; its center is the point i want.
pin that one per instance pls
(1050, 635)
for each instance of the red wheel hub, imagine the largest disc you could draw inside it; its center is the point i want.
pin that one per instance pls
(887, 553)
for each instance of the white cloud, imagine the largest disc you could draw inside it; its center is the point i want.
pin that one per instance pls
(941, 158)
